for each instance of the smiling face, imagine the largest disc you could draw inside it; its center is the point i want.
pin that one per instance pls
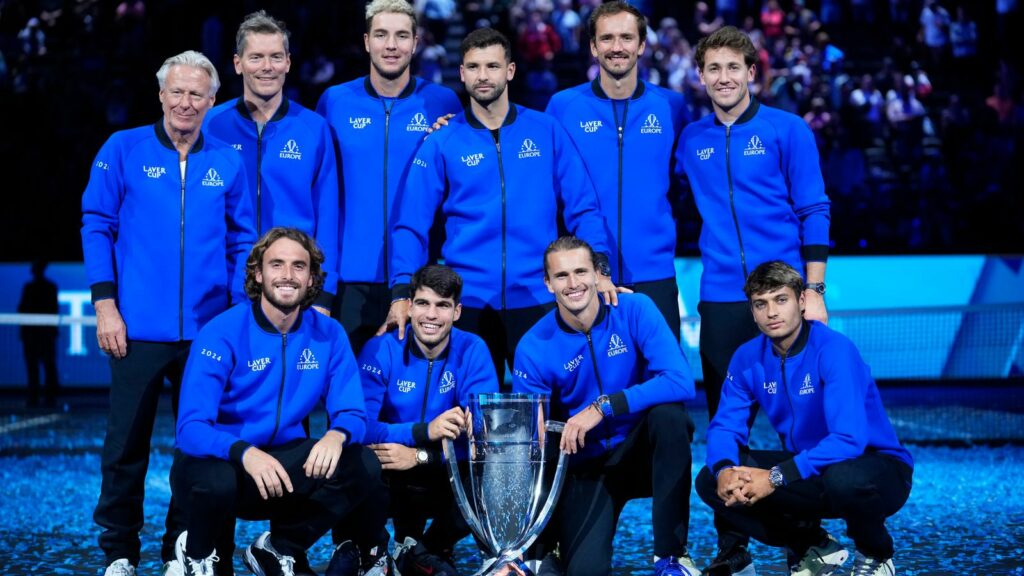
(572, 279)
(431, 317)
(263, 65)
(779, 315)
(391, 42)
(486, 72)
(617, 45)
(725, 76)
(185, 98)
(284, 275)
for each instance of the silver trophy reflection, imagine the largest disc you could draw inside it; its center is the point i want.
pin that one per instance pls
(506, 507)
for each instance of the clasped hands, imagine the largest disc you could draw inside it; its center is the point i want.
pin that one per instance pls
(743, 485)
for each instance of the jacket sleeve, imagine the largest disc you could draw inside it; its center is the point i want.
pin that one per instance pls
(526, 375)
(729, 429)
(582, 213)
(416, 203)
(101, 203)
(202, 387)
(671, 379)
(241, 230)
(844, 378)
(478, 375)
(343, 399)
(376, 371)
(326, 199)
(807, 190)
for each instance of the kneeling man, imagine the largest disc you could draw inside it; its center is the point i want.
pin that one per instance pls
(617, 374)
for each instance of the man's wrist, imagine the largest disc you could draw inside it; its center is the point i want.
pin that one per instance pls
(816, 287)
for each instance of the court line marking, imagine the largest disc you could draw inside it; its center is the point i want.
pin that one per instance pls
(30, 423)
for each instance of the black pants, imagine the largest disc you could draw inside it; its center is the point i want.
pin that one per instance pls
(215, 492)
(863, 491)
(135, 385)
(418, 494)
(724, 326)
(665, 294)
(40, 351)
(654, 460)
(361, 307)
(501, 329)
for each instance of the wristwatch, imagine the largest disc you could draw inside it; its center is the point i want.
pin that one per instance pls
(775, 477)
(422, 457)
(818, 287)
(604, 403)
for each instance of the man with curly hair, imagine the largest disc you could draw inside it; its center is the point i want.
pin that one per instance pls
(241, 449)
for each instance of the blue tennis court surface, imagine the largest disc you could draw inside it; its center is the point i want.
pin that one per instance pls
(965, 514)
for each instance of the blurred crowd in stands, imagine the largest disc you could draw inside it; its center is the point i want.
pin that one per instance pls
(917, 105)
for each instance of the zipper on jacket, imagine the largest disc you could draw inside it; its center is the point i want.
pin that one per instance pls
(792, 412)
(384, 179)
(620, 130)
(600, 390)
(426, 391)
(496, 134)
(732, 203)
(280, 392)
(181, 259)
(259, 162)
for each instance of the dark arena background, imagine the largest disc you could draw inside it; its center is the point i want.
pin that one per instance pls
(920, 134)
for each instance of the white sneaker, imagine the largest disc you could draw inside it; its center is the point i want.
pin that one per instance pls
(173, 568)
(190, 566)
(120, 567)
(821, 560)
(866, 566)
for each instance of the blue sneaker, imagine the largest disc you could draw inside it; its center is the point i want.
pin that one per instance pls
(673, 566)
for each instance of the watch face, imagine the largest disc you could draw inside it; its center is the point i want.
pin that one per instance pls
(421, 456)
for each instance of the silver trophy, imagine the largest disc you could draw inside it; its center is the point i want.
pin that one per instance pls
(506, 507)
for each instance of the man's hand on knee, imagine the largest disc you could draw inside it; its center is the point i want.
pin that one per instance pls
(323, 458)
(270, 476)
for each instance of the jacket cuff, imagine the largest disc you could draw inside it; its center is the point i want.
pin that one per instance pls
(237, 450)
(619, 403)
(103, 291)
(790, 473)
(419, 433)
(348, 435)
(815, 253)
(400, 292)
(721, 465)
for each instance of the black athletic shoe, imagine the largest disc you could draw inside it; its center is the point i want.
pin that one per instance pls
(733, 561)
(262, 560)
(344, 561)
(415, 560)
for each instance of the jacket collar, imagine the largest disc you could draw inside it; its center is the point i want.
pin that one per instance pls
(267, 326)
(747, 115)
(410, 87)
(595, 86)
(165, 140)
(411, 349)
(602, 312)
(513, 113)
(243, 110)
(799, 344)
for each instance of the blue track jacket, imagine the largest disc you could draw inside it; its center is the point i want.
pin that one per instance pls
(246, 384)
(404, 390)
(629, 354)
(170, 251)
(501, 194)
(376, 138)
(631, 169)
(821, 399)
(758, 187)
(292, 173)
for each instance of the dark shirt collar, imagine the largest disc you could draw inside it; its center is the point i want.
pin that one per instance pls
(410, 87)
(598, 90)
(602, 311)
(243, 110)
(267, 326)
(163, 138)
(513, 113)
(747, 115)
(799, 344)
(412, 349)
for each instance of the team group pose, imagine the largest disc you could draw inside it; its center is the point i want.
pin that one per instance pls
(273, 262)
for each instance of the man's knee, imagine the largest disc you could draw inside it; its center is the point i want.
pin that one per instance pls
(851, 484)
(670, 422)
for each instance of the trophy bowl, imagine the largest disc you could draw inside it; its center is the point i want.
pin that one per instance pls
(506, 501)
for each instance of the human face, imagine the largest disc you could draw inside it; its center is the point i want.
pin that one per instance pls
(617, 44)
(284, 275)
(572, 279)
(432, 317)
(391, 42)
(779, 314)
(263, 65)
(185, 98)
(725, 77)
(485, 72)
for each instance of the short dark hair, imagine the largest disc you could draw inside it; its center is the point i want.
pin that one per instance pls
(485, 38)
(613, 8)
(254, 289)
(726, 37)
(566, 243)
(260, 23)
(771, 276)
(441, 279)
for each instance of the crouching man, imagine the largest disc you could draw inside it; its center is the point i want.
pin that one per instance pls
(258, 371)
(840, 456)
